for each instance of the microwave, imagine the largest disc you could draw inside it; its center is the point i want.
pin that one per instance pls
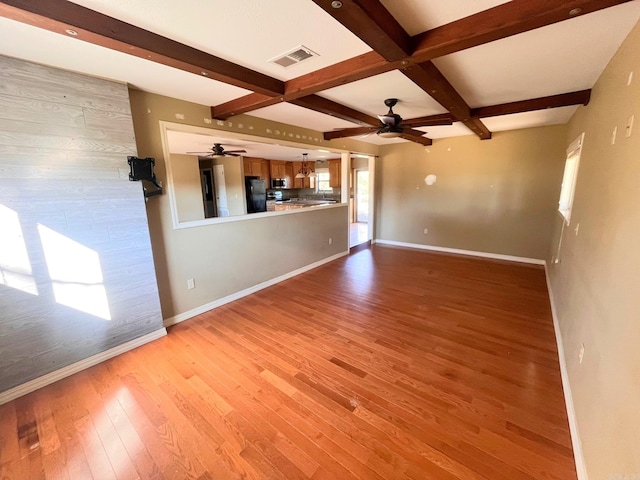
(279, 183)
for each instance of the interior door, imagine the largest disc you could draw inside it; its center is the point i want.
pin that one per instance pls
(220, 191)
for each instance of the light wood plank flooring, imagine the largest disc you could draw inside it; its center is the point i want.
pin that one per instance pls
(387, 364)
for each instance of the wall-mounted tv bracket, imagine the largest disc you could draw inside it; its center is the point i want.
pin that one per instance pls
(142, 169)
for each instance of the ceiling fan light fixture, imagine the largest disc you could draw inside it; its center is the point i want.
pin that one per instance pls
(389, 134)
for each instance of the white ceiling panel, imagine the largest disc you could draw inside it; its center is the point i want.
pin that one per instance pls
(246, 32)
(368, 96)
(302, 117)
(539, 118)
(184, 142)
(559, 58)
(458, 129)
(41, 46)
(417, 16)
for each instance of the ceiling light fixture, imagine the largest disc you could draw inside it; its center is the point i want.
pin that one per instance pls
(336, 4)
(575, 11)
(305, 170)
(73, 33)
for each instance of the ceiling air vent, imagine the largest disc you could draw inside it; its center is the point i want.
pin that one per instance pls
(294, 56)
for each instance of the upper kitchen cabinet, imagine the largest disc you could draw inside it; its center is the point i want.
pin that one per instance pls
(277, 168)
(256, 167)
(335, 173)
(282, 169)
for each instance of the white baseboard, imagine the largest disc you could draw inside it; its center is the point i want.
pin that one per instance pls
(69, 370)
(472, 253)
(181, 317)
(578, 454)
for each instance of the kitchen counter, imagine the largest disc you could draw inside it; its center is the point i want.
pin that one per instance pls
(296, 203)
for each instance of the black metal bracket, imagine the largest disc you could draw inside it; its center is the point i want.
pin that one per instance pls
(142, 169)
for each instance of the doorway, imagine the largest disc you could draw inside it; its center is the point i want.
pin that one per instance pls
(360, 181)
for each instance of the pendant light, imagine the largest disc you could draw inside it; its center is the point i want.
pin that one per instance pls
(305, 171)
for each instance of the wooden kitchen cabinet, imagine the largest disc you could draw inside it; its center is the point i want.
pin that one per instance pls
(335, 173)
(288, 174)
(266, 173)
(256, 167)
(277, 168)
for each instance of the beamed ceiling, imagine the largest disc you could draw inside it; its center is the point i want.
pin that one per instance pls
(457, 67)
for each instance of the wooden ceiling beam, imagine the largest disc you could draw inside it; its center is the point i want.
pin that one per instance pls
(431, 80)
(370, 21)
(502, 21)
(59, 16)
(329, 107)
(357, 68)
(505, 20)
(581, 97)
(245, 104)
(429, 121)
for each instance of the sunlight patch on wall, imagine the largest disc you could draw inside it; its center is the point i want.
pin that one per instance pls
(15, 266)
(75, 273)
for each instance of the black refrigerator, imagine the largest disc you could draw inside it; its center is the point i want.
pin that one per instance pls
(256, 194)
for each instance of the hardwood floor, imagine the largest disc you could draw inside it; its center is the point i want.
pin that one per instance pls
(387, 364)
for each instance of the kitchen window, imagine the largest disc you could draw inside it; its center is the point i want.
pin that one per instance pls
(322, 182)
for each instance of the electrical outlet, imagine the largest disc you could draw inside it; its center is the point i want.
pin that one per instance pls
(330, 240)
(629, 126)
(425, 231)
(191, 284)
(581, 354)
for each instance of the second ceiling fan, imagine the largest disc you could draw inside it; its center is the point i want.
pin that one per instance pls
(218, 151)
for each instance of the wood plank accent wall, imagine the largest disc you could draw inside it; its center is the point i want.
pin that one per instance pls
(64, 141)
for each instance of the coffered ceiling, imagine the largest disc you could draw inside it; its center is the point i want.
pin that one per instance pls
(477, 66)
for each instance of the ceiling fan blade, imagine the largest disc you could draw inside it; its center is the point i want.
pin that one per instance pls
(416, 136)
(235, 151)
(348, 132)
(208, 151)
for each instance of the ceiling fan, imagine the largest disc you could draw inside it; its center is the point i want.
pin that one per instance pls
(218, 151)
(392, 125)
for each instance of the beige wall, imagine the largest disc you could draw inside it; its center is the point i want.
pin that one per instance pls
(596, 285)
(187, 187)
(224, 258)
(496, 196)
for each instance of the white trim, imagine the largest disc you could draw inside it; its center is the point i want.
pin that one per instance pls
(578, 455)
(472, 253)
(69, 370)
(253, 216)
(212, 132)
(181, 317)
